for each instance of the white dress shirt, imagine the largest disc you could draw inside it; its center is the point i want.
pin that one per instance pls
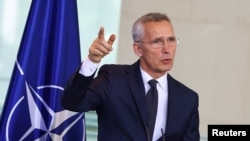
(88, 67)
(162, 88)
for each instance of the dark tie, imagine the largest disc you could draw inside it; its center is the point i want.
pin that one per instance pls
(152, 102)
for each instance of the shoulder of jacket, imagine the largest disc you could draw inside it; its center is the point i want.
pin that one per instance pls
(181, 86)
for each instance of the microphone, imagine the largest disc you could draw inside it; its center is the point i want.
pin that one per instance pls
(162, 135)
(147, 131)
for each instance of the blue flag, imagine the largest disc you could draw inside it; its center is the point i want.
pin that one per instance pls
(49, 54)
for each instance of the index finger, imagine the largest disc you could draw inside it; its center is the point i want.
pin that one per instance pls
(101, 33)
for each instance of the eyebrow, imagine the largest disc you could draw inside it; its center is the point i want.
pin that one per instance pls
(157, 38)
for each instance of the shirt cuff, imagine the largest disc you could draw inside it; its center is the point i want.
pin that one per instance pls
(88, 67)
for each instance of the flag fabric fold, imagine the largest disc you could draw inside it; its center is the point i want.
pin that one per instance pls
(48, 55)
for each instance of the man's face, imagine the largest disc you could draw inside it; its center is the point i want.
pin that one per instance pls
(157, 48)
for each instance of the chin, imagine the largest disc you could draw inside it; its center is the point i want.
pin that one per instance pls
(168, 67)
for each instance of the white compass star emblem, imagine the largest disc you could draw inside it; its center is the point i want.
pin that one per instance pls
(37, 118)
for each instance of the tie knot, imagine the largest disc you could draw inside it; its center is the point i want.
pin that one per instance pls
(152, 83)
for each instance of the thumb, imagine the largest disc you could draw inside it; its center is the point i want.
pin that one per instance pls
(111, 39)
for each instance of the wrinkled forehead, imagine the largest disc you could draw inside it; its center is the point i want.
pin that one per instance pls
(158, 29)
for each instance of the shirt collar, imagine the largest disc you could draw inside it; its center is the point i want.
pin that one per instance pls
(162, 80)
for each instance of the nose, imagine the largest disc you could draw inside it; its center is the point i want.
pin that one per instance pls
(165, 48)
(165, 44)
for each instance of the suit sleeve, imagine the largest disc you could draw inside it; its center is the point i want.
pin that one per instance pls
(75, 91)
(87, 93)
(192, 132)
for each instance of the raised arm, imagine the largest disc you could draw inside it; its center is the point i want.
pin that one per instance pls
(76, 90)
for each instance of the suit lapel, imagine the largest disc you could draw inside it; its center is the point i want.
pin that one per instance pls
(173, 108)
(138, 90)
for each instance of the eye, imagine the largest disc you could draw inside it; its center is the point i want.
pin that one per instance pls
(157, 41)
(172, 39)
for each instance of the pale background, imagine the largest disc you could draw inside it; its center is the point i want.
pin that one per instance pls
(212, 58)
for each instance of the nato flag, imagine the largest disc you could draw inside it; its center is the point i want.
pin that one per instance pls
(49, 54)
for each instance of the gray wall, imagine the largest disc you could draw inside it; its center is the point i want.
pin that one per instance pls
(213, 56)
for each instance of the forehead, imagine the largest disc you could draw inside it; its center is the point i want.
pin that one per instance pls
(162, 28)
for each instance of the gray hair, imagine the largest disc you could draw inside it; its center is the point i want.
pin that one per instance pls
(137, 29)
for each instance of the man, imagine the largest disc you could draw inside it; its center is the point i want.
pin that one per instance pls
(119, 92)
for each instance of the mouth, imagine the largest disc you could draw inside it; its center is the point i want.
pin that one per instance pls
(166, 61)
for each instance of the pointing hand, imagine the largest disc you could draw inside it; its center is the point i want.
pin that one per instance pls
(100, 47)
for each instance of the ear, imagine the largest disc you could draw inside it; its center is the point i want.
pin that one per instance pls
(137, 49)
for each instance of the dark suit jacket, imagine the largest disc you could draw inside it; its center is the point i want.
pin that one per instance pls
(118, 96)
